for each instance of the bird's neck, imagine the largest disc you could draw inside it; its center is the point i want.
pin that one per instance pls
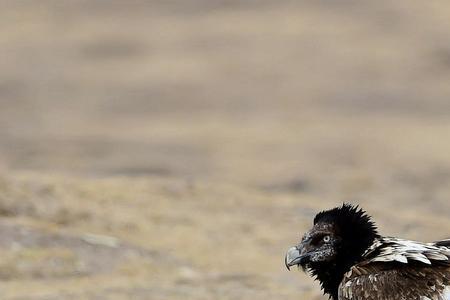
(330, 276)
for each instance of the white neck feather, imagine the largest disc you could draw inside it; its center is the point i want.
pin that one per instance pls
(446, 294)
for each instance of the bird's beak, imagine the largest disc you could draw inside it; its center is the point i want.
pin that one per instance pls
(296, 256)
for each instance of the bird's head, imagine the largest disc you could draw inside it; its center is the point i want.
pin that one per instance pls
(319, 245)
(336, 241)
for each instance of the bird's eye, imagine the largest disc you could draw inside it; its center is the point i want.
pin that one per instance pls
(326, 238)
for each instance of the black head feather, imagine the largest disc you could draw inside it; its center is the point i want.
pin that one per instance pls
(350, 221)
(356, 232)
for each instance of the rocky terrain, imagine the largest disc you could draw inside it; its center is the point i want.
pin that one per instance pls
(176, 149)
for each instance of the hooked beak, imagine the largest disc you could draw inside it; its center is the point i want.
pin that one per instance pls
(294, 256)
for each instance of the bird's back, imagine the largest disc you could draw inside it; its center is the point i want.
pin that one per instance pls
(396, 269)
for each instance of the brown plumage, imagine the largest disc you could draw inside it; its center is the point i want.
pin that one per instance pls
(352, 262)
(375, 282)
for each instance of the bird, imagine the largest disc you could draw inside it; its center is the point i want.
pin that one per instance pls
(352, 261)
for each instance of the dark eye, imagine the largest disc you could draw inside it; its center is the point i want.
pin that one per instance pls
(326, 238)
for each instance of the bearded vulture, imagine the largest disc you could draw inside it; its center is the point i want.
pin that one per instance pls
(344, 251)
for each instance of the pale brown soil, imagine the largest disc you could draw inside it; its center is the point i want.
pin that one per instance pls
(176, 149)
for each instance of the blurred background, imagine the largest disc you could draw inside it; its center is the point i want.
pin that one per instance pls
(175, 149)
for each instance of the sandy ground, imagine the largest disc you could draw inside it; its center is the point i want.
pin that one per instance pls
(176, 149)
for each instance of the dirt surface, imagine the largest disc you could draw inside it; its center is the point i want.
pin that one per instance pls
(176, 149)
